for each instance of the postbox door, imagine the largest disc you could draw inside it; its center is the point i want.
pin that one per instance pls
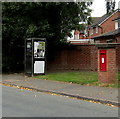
(103, 60)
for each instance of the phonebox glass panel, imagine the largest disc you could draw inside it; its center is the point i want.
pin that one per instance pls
(103, 60)
(35, 55)
(39, 49)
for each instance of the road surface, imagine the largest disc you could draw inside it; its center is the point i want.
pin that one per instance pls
(24, 103)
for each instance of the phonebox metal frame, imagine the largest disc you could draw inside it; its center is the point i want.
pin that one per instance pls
(35, 56)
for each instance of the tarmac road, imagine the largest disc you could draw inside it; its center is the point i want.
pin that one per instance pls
(24, 103)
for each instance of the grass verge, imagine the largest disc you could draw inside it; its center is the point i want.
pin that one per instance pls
(83, 78)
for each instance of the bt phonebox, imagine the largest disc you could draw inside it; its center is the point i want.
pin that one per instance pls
(35, 56)
(102, 60)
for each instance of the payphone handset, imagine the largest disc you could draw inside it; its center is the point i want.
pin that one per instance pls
(102, 60)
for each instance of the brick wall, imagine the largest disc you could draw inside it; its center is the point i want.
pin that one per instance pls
(79, 59)
(82, 57)
(109, 24)
(108, 76)
(94, 58)
(118, 57)
(118, 39)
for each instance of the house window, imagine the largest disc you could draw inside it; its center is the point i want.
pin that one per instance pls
(91, 31)
(76, 34)
(76, 37)
(117, 24)
(96, 29)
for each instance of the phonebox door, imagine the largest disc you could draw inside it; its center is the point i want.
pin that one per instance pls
(28, 56)
(39, 56)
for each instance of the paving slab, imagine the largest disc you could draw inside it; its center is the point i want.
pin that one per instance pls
(89, 92)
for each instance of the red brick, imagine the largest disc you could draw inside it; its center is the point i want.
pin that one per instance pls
(83, 57)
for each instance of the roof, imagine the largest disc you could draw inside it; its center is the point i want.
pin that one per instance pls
(99, 20)
(112, 33)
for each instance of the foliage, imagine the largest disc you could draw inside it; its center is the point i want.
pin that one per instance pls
(82, 78)
(110, 6)
(52, 20)
(71, 77)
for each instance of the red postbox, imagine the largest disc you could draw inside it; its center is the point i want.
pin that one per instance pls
(103, 60)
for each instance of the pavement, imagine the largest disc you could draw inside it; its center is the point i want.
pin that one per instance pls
(105, 95)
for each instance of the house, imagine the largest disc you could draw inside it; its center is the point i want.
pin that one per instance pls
(106, 25)
(109, 37)
(112, 36)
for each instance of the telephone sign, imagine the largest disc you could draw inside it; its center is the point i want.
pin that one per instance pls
(102, 60)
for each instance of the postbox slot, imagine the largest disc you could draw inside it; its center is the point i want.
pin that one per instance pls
(102, 53)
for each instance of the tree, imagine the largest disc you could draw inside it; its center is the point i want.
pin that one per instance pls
(110, 6)
(52, 20)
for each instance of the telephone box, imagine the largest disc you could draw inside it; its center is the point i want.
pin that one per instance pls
(103, 60)
(35, 56)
